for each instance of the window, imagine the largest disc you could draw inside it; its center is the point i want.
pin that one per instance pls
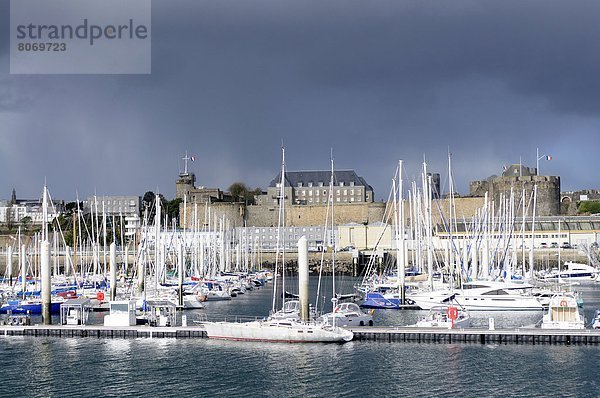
(320, 183)
(351, 183)
(345, 192)
(299, 184)
(310, 194)
(310, 184)
(341, 183)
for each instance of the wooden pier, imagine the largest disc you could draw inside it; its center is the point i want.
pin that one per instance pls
(379, 334)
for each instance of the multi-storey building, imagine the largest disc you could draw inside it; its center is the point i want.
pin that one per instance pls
(312, 188)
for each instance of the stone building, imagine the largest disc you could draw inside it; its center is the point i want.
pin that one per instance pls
(185, 185)
(518, 178)
(312, 188)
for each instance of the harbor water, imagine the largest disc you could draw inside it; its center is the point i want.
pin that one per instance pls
(53, 367)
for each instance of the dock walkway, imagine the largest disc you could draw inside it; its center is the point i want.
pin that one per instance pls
(380, 334)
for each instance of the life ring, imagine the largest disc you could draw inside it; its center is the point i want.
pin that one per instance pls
(563, 303)
(452, 313)
(100, 296)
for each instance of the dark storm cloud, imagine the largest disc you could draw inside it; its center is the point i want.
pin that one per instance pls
(376, 81)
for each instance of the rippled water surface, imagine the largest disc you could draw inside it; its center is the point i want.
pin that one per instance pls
(33, 367)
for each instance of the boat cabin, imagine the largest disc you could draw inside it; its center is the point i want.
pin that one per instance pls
(75, 311)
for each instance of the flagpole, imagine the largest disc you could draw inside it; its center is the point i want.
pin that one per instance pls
(537, 161)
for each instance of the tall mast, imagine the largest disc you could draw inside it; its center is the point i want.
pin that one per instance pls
(280, 238)
(401, 254)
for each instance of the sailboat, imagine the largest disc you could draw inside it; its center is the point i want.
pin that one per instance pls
(275, 329)
(343, 314)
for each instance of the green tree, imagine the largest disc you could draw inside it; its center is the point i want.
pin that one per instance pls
(242, 193)
(173, 209)
(26, 222)
(589, 207)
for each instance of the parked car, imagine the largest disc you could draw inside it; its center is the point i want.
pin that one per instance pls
(544, 245)
(565, 245)
(554, 245)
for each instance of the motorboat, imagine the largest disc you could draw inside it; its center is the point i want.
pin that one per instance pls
(563, 313)
(348, 314)
(446, 317)
(482, 296)
(572, 272)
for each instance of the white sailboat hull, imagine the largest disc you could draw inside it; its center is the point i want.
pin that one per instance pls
(283, 332)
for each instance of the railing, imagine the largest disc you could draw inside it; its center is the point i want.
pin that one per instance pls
(226, 318)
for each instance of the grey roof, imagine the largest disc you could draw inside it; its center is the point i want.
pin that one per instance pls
(292, 178)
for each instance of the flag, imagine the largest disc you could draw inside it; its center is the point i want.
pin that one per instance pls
(193, 158)
(548, 157)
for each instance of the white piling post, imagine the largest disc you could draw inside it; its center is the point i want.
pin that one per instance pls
(180, 273)
(113, 271)
(9, 268)
(46, 282)
(23, 270)
(303, 277)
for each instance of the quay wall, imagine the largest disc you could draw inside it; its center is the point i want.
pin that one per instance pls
(239, 214)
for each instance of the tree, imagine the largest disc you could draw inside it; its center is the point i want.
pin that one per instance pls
(238, 190)
(589, 207)
(72, 207)
(148, 199)
(10, 218)
(26, 222)
(172, 209)
(242, 193)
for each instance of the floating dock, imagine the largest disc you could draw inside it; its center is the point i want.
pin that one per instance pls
(380, 334)
(132, 332)
(477, 336)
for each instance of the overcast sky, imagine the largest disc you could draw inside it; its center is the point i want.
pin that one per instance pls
(377, 81)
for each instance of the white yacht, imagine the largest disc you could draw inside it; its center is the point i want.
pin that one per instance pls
(348, 314)
(572, 272)
(563, 313)
(482, 296)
